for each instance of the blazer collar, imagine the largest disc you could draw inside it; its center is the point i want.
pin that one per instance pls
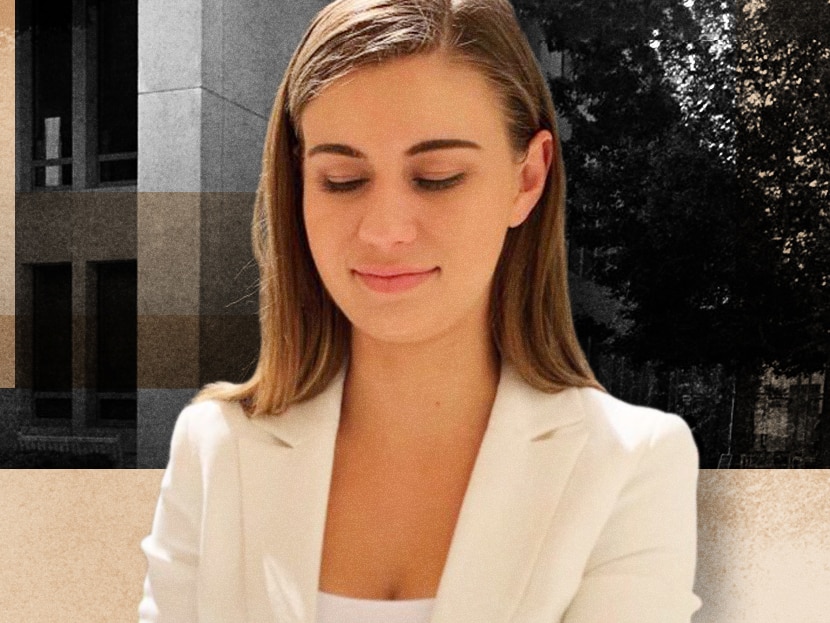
(309, 419)
(530, 445)
(517, 406)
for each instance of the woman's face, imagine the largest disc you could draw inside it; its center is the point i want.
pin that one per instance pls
(410, 186)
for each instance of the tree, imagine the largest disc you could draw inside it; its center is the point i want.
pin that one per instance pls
(651, 171)
(784, 173)
(706, 212)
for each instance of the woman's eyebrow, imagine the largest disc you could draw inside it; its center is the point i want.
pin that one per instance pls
(418, 148)
(441, 143)
(336, 148)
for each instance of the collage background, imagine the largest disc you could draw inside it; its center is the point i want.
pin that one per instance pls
(69, 539)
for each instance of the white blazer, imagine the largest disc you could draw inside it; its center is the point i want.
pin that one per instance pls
(580, 508)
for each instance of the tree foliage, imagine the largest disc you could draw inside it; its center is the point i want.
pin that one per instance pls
(698, 167)
(698, 176)
(784, 178)
(650, 162)
(784, 175)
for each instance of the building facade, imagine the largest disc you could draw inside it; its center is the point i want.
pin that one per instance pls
(139, 132)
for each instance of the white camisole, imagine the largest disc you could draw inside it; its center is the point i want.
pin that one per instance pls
(333, 608)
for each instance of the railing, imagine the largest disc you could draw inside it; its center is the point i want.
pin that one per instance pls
(781, 460)
(725, 461)
(125, 156)
(45, 163)
(74, 444)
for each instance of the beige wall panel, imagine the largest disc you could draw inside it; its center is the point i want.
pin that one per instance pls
(71, 543)
(764, 546)
(104, 225)
(168, 352)
(7, 194)
(168, 253)
(69, 540)
(6, 351)
(6, 14)
(6, 159)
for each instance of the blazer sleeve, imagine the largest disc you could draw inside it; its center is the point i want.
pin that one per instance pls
(643, 565)
(172, 547)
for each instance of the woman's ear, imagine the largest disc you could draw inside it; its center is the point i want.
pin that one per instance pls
(533, 172)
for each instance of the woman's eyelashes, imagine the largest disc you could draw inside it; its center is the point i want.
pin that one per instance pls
(340, 187)
(420, 182)
(438, 184)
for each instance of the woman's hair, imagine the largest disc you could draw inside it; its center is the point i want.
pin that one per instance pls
(304, 336)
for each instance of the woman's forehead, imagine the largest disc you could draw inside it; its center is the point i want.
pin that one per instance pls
(405, 99)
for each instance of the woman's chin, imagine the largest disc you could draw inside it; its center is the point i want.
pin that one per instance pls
(418, 322)
(399, 329)
(393, 333)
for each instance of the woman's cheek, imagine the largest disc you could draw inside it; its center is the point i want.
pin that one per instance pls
(330, 238)
(317, 236)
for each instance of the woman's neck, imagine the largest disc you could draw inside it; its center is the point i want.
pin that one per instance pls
(439, 390)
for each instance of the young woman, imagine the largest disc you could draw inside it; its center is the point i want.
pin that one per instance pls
(423, 439)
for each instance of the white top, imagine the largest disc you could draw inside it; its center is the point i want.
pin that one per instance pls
(333, 608)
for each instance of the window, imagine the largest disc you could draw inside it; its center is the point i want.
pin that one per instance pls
(116, 340)
(77, 93)
(117, 91)
(52, 92)
(52, 340)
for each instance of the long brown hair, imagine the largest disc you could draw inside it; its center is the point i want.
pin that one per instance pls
(304, 336)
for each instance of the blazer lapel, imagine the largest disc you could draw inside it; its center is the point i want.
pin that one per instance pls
(526, 456)
(285, 479)
(530, 445)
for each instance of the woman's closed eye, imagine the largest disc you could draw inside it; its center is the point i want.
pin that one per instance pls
(339, 186)
(422, 182)
(438, 183)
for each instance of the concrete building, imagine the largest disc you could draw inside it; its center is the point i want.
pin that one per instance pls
(137, 159)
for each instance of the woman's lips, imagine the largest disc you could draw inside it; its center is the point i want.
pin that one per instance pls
(393, 280)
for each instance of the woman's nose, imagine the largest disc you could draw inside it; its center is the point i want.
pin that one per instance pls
(388, 220)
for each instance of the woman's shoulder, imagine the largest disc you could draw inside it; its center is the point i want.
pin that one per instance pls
(212, 423)
(627, 427)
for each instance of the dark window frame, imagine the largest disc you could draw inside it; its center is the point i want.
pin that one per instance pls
(95, 356)
(40, 394)
(85, 161)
